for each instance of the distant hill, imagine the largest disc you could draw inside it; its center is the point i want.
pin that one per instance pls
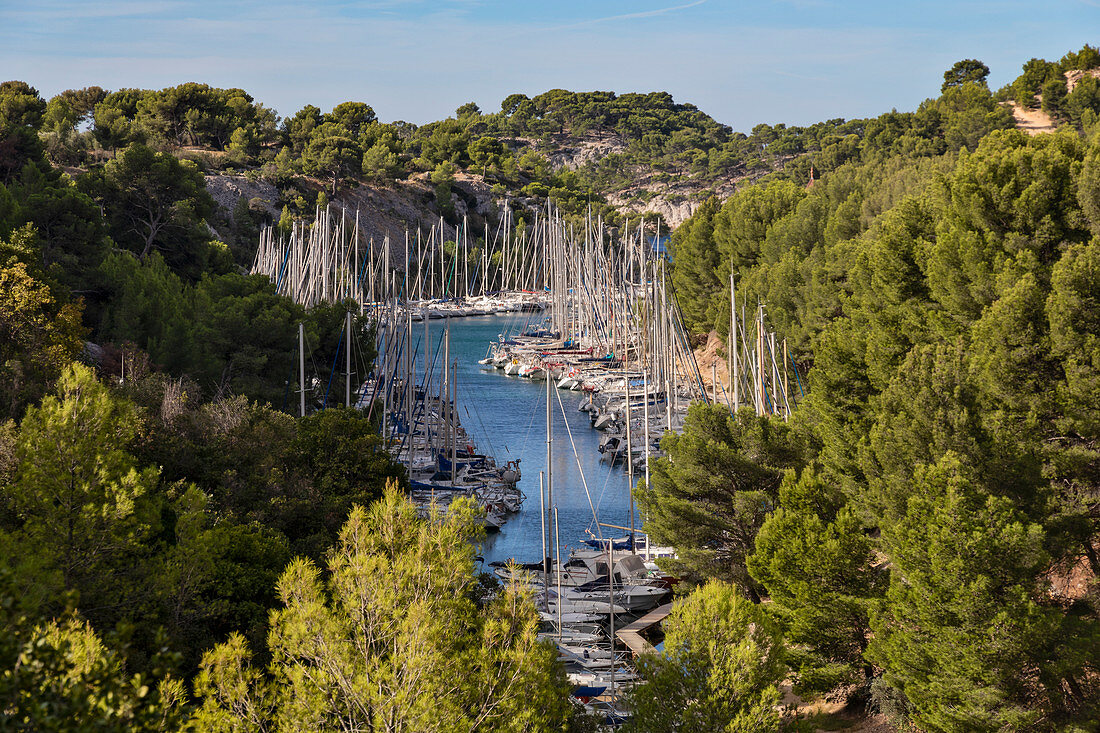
(622, 155)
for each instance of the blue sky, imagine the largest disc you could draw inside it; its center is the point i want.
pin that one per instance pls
(792, 61)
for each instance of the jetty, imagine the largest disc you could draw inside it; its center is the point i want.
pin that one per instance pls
(631, 634)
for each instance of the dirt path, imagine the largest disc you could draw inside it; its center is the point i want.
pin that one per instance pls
(1031, 121)
(833, 717)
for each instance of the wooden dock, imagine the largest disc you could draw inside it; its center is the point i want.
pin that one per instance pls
(631, 634)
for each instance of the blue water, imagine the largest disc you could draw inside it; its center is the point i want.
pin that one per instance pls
(506, 418)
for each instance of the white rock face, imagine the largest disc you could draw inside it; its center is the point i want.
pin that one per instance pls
(585, 151)
(226, 190)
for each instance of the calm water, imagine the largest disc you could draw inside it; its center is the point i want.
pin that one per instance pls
(506, 417)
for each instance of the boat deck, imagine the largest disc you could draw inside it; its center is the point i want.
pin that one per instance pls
(631, 634)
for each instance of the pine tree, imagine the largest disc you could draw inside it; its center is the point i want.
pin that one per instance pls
(711, 492)
(695, 266)
(393, 638)
(719, 671)
(78, 490)
(817, 565)
(960, 633)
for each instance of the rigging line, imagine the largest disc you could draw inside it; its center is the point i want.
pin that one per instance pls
(409, 415)
(530, 423)
(797, 378)
(477, 415)
(606, 481)
(421, 407)
(362, 368)
(312, 363)
(384, 387)
(365, 369)
(332, 372)
(580, 469)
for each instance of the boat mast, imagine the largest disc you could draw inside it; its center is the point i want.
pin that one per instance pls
(557, 563)
(454, 425)
(347, 362)
(448, 413)
(630, 463)
(545, 550)
(549, 450)
(735, 347)
(302, 369)
(761, 393)
(611, 607)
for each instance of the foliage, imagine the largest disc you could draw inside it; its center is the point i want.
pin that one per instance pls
(817, 566)
(711, 492)
(337, 459)
(936, 285)
(379, 637)
(967, 70)
(216, 578)
(20, 105)
(781, 240)
(188, 114)
(82, 102)
(960, 634)
(155, 202)
(380, 163)
(65, 678)
(78, 493)
(149, 306)
(39, 332)
(440, 143)
(657, 134)
(332, 153)
(354, 116)
(720, 669)
(695, 279)
(230, 333)
(70, 231)
(244, 337)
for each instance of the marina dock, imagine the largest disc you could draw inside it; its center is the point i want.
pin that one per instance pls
(631, 634)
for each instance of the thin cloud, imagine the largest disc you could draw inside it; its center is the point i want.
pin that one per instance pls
(87, 11)
(628, 16)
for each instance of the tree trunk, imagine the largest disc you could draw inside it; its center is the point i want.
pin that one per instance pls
(150, 237)
(148, 248)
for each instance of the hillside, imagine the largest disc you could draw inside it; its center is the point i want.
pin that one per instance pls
(384, 211)
(624, 155)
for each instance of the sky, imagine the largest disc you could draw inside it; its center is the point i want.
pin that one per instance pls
(744, 63)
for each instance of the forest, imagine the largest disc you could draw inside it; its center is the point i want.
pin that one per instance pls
(921, 539)
(926, 526)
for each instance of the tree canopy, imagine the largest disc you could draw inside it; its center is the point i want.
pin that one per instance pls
(963, 72)
(374, 642)
(720, 669)
(933, 286)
